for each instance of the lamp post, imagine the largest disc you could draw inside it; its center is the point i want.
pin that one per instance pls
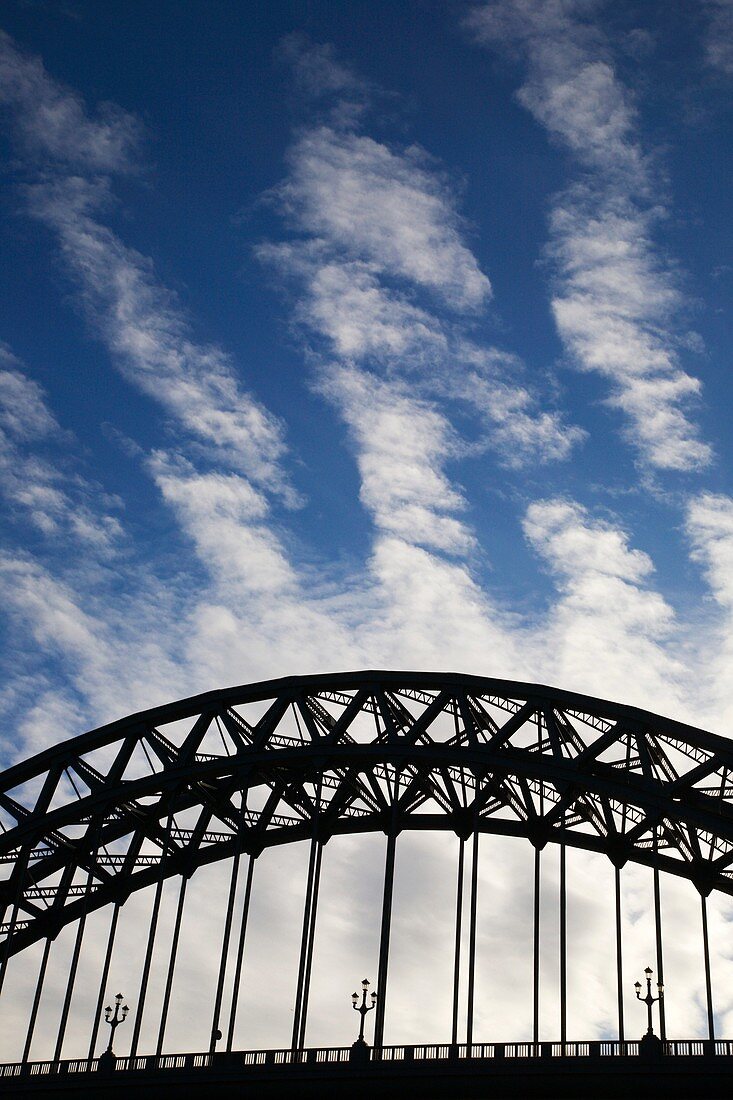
(114, 1019)
(650, 1043)
(359, 1049)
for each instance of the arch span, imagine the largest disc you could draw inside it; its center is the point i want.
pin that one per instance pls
(162, 792)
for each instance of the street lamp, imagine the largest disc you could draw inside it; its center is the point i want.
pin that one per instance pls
(115, 1019)
(363, 1008)
(650, 1044)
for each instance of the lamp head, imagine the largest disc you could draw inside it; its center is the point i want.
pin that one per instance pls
(637, 986)
(107, 1013)
(374, 997)
(125, 1010)
(355, 997)
(648, 971)
(118, 998)
(365, 984)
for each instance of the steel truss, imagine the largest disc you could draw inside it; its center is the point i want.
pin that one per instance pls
(232, 772)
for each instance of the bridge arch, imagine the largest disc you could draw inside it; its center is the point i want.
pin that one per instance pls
(229, 773)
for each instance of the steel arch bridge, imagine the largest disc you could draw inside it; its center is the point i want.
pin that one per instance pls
(229, 773)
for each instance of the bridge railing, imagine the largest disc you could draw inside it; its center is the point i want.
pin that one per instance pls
(319, 1056)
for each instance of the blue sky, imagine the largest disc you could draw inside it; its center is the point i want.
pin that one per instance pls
(387, 340)
(345, 335)
(340, 339)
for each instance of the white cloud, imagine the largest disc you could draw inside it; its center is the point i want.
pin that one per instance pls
(576, 545)
(710, 524)
(51, 610)
(403, 367)
(148, 335)
(228, 521)
(51, 716)
(515, 426)
(709, 527)
(220, 510)
(362, 320)
(52, 121)
(319, 75)
(571, 87)
(589, 110)
(616, 298)
(435, 615)
(382, 206)
(614, 310)
(361, 234)
(113, 651)
(718, 36)
(609, 633)
(345, 302)
(57, 503)
(24, 414)
(402, 443)
(139, 320)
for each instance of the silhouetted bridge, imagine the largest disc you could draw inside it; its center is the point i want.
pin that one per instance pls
(226, 775)
(592, 1069)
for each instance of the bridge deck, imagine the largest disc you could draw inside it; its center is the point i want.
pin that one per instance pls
(547, 1070)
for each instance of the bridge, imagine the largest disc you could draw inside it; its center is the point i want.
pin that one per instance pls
(142, 807)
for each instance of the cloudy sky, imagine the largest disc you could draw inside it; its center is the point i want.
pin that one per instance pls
(339, 336)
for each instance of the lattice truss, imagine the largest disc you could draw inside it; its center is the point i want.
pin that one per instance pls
(92, 820)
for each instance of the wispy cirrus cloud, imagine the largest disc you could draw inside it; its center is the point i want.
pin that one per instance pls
(69, 159)
(376, 205)
(229, 522)
(53, 124)
(709, 528)
(57, 502)
(608, 621)
(320, 78)
(401, 445)
(615, 311)
(399, 364)
(385, 293)
(24, 412)
(227, 448)
(359, 320)
(226, 459)
(710, 523)
(570, 86)
(255, 613)
(718, 35)
(112, 652)
(345, 302)
(236, 607)
(148, 336)
(386, 283)
(617, 298)
(494, 384)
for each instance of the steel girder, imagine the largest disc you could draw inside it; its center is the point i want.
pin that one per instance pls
(89, 821)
